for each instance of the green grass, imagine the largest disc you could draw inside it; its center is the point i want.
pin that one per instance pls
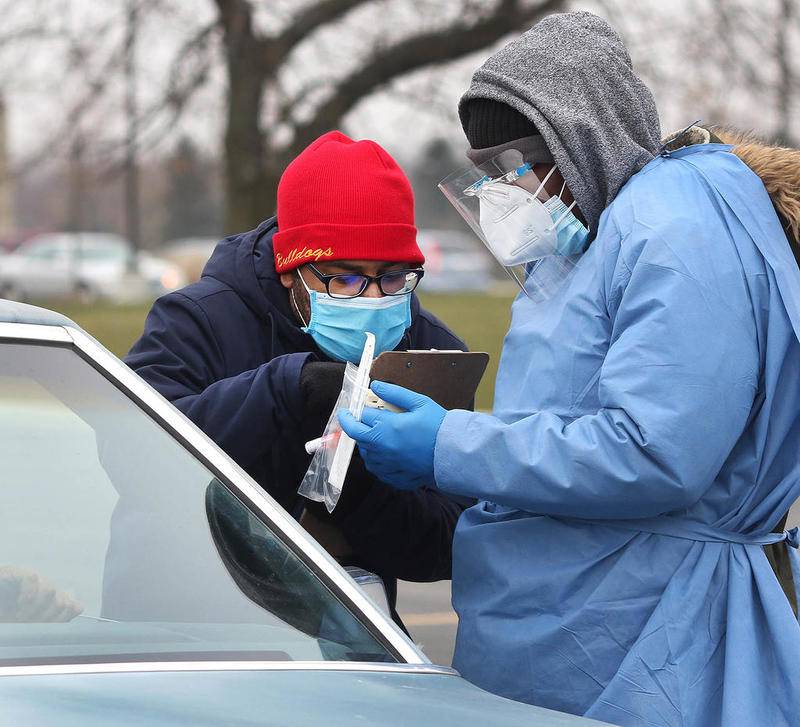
(116, 327)
(481, 320)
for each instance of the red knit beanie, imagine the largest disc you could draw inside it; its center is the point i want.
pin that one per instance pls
(344, 200)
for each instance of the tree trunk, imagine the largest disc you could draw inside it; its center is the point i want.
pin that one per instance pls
(247, 201)
(785, 86)
(247, 198)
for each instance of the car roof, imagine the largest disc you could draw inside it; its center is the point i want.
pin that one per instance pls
(385, 694)
(13, 312)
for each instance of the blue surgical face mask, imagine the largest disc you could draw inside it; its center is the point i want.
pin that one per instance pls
(337, 325)
(572, 234)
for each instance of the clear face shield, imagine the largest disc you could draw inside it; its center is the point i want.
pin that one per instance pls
(530, 231)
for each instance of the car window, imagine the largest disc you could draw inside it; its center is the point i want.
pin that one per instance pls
(44, 252)
(117, 544)
(101, 252)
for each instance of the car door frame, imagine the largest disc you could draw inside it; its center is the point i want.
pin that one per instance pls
(240, 483)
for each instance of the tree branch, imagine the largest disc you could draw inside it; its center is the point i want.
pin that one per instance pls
(232, 13)
(183, 82)
(166, 111)
(417, 52)
(96, 84)
(311, 18)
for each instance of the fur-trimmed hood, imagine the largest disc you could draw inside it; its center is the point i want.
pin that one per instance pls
(778, 167)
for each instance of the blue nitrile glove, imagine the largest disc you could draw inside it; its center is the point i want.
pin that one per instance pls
(397, 448)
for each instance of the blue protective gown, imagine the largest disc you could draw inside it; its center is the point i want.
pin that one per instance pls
(645, 416)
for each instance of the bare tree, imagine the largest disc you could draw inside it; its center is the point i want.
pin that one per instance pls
(257, 61)
(728, 62)
(786, 88)
(132, 211)
(292, 69)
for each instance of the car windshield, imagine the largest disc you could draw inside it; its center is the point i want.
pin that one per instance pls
(117, 544)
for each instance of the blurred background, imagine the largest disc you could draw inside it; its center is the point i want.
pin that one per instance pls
(136, 133)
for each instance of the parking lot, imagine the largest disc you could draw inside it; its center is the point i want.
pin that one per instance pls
(426, 611)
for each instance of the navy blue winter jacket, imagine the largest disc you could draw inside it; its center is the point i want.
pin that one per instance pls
(228, 353)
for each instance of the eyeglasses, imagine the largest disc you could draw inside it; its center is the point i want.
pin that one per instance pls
(351, 285)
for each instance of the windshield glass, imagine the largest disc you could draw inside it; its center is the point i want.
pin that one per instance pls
(118, 545)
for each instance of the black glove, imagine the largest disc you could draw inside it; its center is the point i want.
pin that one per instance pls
(357, 484)
(320, 386)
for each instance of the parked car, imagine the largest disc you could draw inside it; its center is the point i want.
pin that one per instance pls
(87, 265)
(455, 262)
(13, 240)
(147, 580)
(190, 254)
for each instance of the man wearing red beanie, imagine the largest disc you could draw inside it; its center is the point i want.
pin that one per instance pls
(346, 248)
(253, 352)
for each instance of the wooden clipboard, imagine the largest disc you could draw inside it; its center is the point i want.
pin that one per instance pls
(450, 378)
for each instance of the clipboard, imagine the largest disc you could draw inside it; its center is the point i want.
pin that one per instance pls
(450, 378)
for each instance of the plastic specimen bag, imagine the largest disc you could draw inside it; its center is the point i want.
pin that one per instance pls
(324, 478)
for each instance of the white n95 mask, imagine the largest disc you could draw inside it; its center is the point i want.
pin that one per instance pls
(517, 226)
(535, 237)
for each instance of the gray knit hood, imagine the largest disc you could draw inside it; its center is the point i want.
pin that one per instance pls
(572, 77)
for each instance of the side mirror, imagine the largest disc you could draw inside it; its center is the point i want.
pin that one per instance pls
(372, 586)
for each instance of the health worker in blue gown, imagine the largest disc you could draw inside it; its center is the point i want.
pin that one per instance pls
(644, 439)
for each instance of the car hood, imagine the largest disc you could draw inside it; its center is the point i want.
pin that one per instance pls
(297, 698)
